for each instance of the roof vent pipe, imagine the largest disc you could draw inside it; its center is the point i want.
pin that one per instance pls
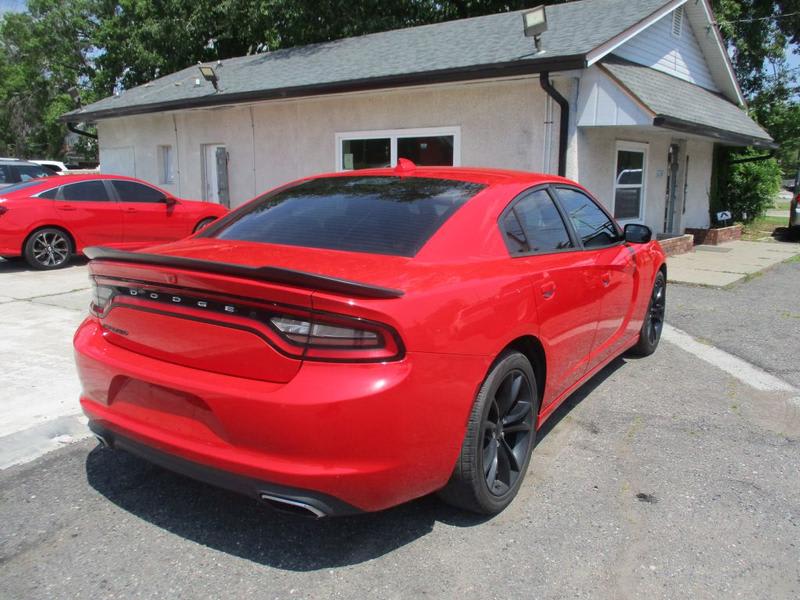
(563, 130)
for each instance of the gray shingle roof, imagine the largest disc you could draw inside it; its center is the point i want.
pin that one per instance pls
(454, 49)
(679, 104)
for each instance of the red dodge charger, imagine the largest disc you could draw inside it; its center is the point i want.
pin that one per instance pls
(47, 220)
(348, 342)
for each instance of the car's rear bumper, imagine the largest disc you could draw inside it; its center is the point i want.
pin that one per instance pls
(10, 245)
(351, 436)
(318, 504)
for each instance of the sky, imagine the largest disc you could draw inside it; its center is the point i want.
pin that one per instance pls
(6, 5)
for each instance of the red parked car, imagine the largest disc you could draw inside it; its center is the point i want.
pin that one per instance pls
(48, 220)
(349, 342)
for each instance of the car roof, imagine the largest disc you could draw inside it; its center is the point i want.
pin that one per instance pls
(483, 175)
(67, 178)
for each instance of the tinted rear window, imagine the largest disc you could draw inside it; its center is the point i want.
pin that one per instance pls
(379, 215)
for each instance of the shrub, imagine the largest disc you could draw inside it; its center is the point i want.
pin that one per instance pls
(752, 187)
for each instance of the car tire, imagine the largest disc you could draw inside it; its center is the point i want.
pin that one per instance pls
(48, 248)
(499, 440)
(202, 224)
(653, 324)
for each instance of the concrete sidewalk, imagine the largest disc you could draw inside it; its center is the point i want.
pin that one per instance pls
(41, 311)
(718, 266)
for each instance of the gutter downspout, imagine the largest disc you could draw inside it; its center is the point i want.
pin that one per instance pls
(74, 129)
(563, 133)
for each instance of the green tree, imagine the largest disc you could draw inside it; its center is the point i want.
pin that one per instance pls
(752, 187)
(761, 34)
(44, 52)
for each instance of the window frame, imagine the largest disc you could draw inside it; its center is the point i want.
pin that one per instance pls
(642, 148)
(603, 209)
(109, 191)
(393, 135)
(165, 177)
(56, 189)
(115, 195)
(549, 190)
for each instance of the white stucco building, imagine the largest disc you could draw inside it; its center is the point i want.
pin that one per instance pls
(628, 98)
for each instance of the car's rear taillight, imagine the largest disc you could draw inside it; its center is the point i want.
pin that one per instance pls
(335, 337)
(295, 332)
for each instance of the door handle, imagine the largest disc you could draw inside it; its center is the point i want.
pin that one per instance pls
(605, 279)
(548, 290)
(66, 207)
(130, 210)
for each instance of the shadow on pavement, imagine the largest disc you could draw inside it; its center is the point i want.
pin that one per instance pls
(786, 234)
(240, 526)
(579, 396)
(18, 265)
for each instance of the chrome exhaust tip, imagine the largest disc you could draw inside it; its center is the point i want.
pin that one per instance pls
(294, 507)
(102, 441)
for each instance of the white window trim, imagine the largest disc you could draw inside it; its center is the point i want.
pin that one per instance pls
(393, 134)
(631, 147)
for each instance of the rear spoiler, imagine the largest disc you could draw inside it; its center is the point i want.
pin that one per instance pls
(272, 274)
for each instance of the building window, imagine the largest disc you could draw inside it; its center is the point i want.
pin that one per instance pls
(374, 149)
(677, 22)
(629, 181)
(366, 153)
(166, 165)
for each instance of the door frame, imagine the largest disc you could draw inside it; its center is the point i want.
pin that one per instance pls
(204, 166)
(644, 148)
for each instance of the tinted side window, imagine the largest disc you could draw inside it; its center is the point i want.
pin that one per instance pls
(49, 194)
(85, 191)
(28, 172)
(5, 174)
(130, 191)
(534, 225)
(590, 222)
(379, 215)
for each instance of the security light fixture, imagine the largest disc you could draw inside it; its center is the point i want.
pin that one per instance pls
(209, 74)
(534, 22)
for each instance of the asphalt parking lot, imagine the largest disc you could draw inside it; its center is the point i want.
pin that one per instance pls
(664, 477)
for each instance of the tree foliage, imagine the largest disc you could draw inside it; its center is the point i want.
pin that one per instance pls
(752, 187)
(762, 34)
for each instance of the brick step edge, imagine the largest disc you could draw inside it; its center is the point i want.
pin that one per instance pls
(713, 237)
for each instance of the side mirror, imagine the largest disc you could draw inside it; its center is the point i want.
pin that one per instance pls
(638, 234)
(170, 201)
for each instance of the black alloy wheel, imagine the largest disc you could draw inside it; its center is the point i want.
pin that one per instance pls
(507, 433)
(653, 324)
(499, 440)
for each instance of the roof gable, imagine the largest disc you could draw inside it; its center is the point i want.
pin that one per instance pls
(670, 45)
(699, 17)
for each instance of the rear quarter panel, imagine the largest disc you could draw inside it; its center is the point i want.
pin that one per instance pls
(24, 216)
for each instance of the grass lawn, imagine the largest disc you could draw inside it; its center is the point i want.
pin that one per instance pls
(781, 206)
(763, 227)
